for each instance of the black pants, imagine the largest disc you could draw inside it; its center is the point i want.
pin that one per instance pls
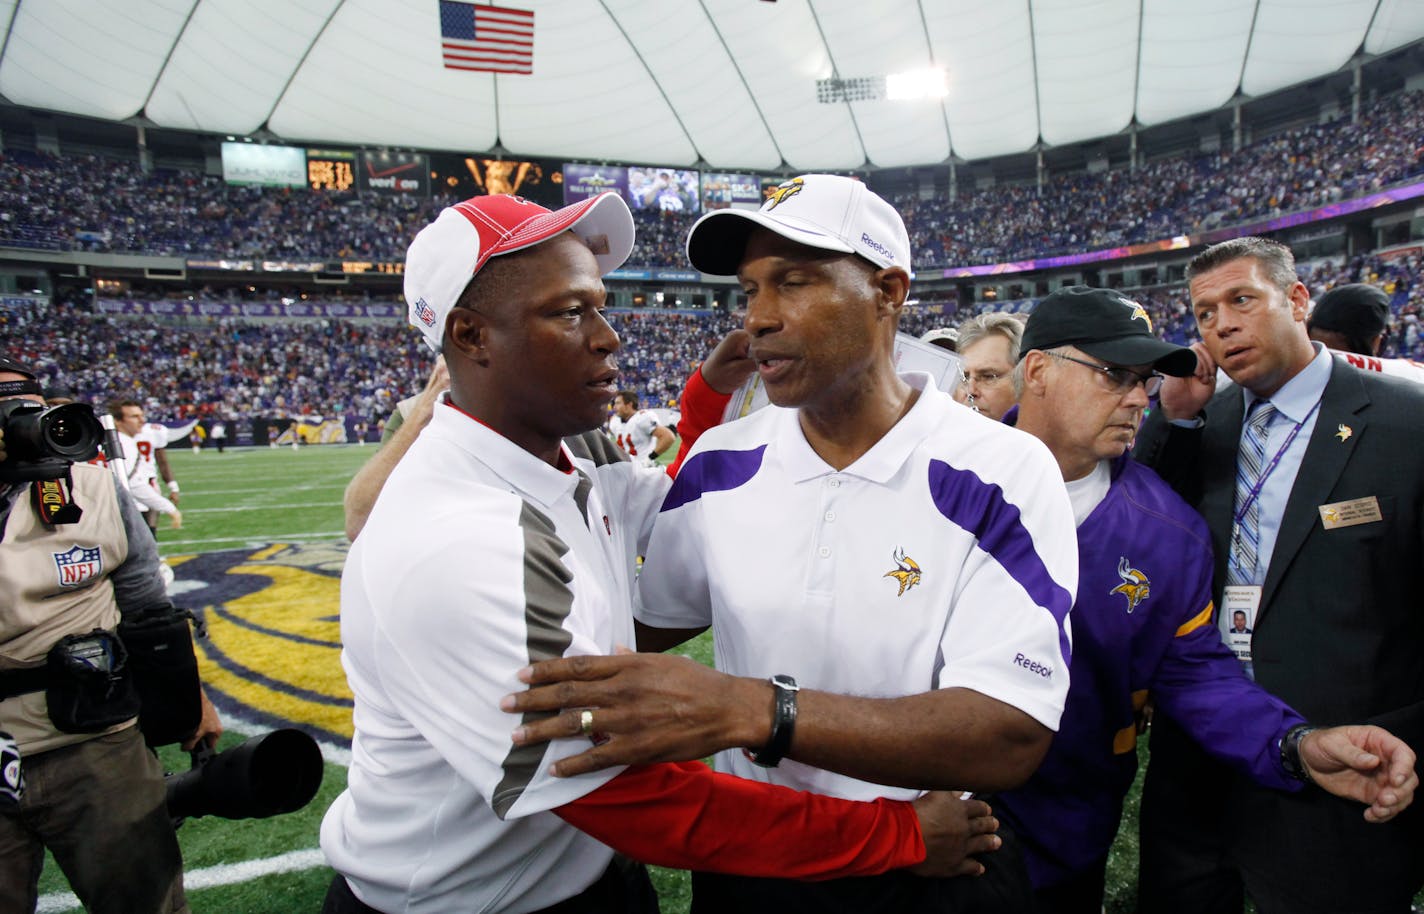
(1083, 894)
(1211, 837)
(1004, 887)
(624, 888)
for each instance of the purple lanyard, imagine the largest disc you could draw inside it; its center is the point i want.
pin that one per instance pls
(1261, 480)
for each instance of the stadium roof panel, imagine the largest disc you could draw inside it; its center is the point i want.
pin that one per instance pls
(728, 84)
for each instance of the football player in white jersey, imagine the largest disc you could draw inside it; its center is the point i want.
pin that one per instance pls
(636, 431)
(1352, 320)
(143, 445)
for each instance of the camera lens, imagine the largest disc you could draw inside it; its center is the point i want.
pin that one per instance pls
(63, 433)
(69, 432)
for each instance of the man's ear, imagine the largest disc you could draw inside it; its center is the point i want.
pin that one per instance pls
(1035, 372)
(466, 335)
(1299, 297)
(894, 285)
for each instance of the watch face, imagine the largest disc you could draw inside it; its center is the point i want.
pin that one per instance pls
(781, 680)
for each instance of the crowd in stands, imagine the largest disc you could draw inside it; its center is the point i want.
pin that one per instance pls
(1299, 169)
(243, 369)
(90, 203)
(248, 369)
(1399, 277)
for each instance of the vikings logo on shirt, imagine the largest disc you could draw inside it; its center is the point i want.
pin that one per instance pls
(782, 193)
(1134, 586)
(908, 574)
(78, 566)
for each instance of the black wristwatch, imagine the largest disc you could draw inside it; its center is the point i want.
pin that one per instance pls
(783, 723)
(1290, 752)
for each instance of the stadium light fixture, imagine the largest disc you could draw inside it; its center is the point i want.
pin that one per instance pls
(912, 84)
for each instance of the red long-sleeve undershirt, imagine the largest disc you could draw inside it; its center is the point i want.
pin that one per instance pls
(686, 816)
(702, 408)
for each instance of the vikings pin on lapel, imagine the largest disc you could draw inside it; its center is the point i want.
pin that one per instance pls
(1344, 432)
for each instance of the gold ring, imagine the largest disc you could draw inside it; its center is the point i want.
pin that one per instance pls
(586, 722)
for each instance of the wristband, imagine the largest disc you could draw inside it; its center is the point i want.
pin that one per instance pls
(652, 455)
(173, 485)
(1290, 752)
(783, 724)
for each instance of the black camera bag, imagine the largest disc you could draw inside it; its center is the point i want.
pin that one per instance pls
(90, 687)
(165, 670)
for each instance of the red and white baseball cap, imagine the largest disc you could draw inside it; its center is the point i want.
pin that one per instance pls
(448, 252)
(830, 212)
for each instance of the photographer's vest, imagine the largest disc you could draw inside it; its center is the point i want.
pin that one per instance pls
(54, 582)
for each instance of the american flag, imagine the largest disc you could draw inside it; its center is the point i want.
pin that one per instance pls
(491, 39)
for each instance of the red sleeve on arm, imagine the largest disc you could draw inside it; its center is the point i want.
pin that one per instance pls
(686, 816)
(701, 409)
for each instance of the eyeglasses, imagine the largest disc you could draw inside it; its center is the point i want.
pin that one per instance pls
(983, 378)
(1117, 379)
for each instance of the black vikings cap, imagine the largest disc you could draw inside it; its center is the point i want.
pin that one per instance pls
(30, 385)
(60, 392)
(9, 364)
(1358, 310)
(1106, 325)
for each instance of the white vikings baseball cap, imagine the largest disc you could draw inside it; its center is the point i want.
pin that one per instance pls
(448, 252)
(822, 211)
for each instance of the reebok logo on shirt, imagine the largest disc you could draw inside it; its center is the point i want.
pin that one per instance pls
(1033, 666)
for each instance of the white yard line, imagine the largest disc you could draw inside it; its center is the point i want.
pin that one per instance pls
(200, 489)
(272, 507)
(210, 877)
(172, 547)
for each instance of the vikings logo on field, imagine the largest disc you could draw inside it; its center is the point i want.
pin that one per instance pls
(783, 193)
(908, 574)
(78, 566)
(1134, 586)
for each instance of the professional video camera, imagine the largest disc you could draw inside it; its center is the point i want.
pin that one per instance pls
(268, 775)
(41, 442)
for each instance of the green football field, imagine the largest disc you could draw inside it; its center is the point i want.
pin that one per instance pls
(260, 554)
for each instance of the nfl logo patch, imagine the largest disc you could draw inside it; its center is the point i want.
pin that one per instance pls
(78, 566)
(424, 312)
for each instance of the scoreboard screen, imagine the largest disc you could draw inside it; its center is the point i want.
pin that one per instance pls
(463, 176)
(329, 169)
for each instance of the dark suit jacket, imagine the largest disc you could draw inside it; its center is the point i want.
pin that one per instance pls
(1340, 631)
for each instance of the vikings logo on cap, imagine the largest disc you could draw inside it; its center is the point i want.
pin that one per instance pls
(1138, 312)
(783, 193)
(1135, 586)
(78, 566)
(908, 572)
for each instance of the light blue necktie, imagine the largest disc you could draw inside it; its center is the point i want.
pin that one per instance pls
(1246, 533)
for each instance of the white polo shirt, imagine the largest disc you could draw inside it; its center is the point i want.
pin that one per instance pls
(477, 559)
(944, 557)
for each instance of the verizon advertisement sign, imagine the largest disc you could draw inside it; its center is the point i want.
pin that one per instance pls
(394, 173)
